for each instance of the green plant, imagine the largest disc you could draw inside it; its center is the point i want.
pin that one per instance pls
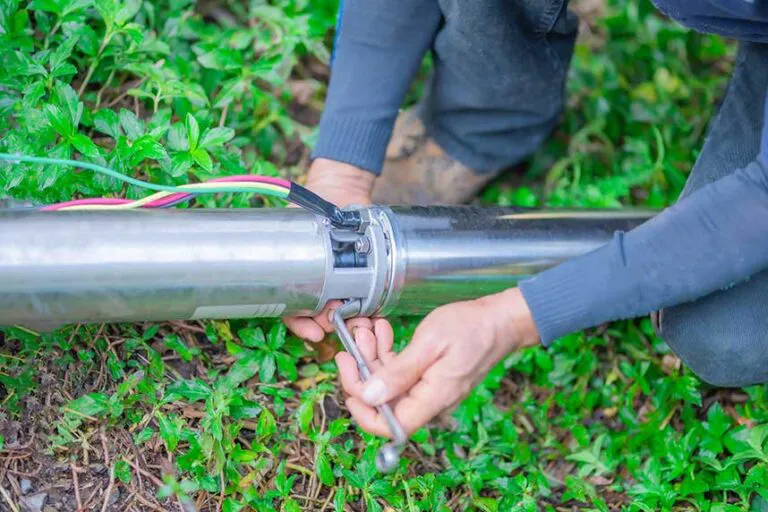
(238, 416)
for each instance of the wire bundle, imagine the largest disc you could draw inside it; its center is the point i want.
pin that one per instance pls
(260, 184)
(167, 196)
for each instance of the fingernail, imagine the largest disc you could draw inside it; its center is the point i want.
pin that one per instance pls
(374, 391)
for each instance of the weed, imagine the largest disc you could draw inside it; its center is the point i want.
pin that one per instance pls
(240, 415)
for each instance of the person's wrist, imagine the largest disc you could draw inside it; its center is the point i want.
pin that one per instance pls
(512, 320)
(325, 174)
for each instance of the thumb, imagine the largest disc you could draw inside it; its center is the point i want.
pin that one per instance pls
(399, 374)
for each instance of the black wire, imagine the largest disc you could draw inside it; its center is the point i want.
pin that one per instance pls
(316, 204)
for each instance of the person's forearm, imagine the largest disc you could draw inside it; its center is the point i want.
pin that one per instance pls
(713, 239)
(379, 48)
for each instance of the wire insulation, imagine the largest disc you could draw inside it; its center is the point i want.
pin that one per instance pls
(167, 196)
(122, 177)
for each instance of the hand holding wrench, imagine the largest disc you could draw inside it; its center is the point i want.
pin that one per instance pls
(389, 455)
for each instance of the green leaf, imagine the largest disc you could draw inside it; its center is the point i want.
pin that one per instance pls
(221, 59)
(193, 131)
(175, 343)
(324, 470)
(340, 499)
(338, 427)
(59, 121)
(242, 370)
(216, 137)
(107, 122)
(177, 137)
(728, 479)
(267, 369)
(170, 430)
(85, 145)
(230, 505)
(289, 505)
(65, 69)
(305, 414)
(55, 6)
(69, 102)
(25, 66)
(132, 125)
(252, 337)
(202, 158)
(266, 425)
(287, 366)
(757, 478)
(33, 93)
(277, 336)
(687, 389)
(108, 10)
(193, 390)
(693, 485)
(264, 65)
(59, 56)
(135, 31)
(127, 11)
(718, 423)
(145, 147)
(180, 164)
(123, 471)
(92, 404)
(143, 435)
(2, 441)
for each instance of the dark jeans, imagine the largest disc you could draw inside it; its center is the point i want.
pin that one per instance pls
(723, 337)
(498, 86)
(496, 93)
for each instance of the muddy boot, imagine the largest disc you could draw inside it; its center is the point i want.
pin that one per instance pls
(417, 171)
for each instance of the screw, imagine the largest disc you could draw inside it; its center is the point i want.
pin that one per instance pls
(363, 245)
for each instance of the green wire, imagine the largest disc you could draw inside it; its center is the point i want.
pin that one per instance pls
(133, 181)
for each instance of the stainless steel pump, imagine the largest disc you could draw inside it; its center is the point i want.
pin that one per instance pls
(154, 265)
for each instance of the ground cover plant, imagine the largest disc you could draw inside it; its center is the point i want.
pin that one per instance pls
(239, 415)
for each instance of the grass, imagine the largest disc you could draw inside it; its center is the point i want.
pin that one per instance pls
(237, 416)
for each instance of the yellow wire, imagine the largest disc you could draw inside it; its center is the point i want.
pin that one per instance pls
(194, 187)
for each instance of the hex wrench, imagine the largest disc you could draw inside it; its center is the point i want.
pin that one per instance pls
(389, 455)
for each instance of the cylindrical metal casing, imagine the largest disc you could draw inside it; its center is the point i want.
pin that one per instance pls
(446, 254)
(62, 267)
(115, 266)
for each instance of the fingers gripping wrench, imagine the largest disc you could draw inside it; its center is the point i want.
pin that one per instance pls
(389, 455)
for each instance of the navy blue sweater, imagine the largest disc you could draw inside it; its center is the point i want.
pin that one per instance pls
(714, 238)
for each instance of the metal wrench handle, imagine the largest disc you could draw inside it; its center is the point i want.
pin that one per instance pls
(389, 455)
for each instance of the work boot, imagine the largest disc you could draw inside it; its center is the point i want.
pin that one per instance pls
(417, 171)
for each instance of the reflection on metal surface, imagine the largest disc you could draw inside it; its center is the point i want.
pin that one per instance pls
(97, 266)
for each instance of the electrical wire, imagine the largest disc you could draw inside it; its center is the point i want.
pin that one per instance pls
(122, 177)
(167, 196)
(166, 199)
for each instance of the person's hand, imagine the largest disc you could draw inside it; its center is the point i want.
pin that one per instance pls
(452, 349)
(340, 183)
(343, 185)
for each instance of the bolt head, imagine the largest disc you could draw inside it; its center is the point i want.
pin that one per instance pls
(363, 245)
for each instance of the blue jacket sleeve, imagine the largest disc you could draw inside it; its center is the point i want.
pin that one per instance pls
(713, 239)
(379, 47)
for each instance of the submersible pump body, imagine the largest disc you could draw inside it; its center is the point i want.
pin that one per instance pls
(153, 265)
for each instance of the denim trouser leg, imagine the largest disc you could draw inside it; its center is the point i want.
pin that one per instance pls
(723, 337)
(499, 78)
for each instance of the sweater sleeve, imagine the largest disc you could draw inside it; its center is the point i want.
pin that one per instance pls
(379, 47)
(713, 239)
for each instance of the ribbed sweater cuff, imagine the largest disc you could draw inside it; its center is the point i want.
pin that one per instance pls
(559, 299)
(355, 141)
